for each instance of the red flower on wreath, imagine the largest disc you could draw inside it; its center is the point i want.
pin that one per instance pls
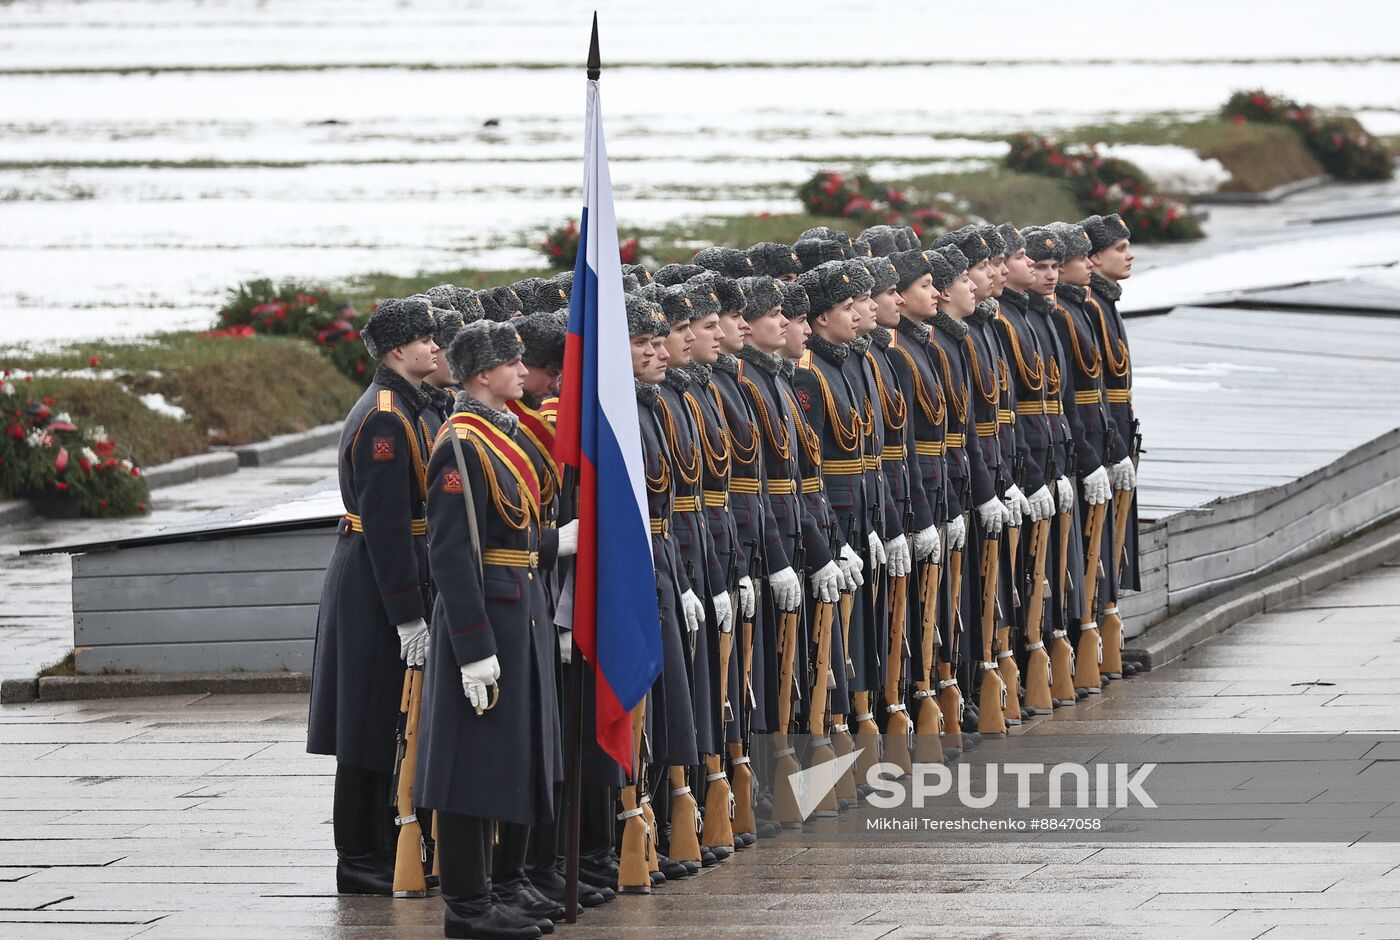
(60, 486)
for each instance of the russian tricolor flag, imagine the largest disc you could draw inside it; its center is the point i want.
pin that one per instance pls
(616, 624)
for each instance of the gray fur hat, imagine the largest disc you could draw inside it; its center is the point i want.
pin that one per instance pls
(639, 271)
(796, 303)
(831, 284)
(444, 295)
(1011, 238)
(704, 299)
(730, 262)
(968, 240)
(995, 244)
(467, 302)
(956, 258)
(943, 270)
(882, 272)
(447, 323)
(827, 233)
(1105, 231)
(725, 289)
(673, 274)
(676, 305)
(630, 283)
(543, 335)
(528, 290)
(395, 322)
(860, 249)
(909, 266)
(880, 239)
(558, 290)
(483, 345)
(862, 280)
(761, 294)
(500, 303)
(814, 251)
(644, 316)
(774, 259)
(1043, 244)
(911, 236)
(1075, 239)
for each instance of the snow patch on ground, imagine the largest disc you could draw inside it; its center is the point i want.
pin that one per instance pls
(157, 403)
(1174, 169)
(1198, 369)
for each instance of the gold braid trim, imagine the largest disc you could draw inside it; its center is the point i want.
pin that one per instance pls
(1091, 370)
(1118, 368)
(847, 439)
(782, 446)
(1054, 378)
(896, 409)
(515, 515)
(739, 454)
(811, 443)
(959, 409)
(991, 397)
(1033, 377)
(689, 472)
(716, 459)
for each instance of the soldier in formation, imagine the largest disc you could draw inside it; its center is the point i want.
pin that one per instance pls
(892, 499)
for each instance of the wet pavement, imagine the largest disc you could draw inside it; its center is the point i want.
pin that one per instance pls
(201, 816)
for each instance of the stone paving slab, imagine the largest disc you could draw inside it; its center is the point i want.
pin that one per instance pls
(201, 816)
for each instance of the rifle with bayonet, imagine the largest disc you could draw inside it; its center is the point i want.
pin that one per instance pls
(898, 727)
(1086, 660)
(1111, 623)
(719, 799)
(741, 783)
(928, 746)
(1006, 643)
(785, 810)
(991, 702)
(411, 856)
(866, 731)
(1061, 653)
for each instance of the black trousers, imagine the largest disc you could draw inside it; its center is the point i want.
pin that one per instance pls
(362, 817)
(464, 861)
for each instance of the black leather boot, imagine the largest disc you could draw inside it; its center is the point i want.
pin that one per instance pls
(482, 919)
(362, 873)
(522, 897)
(551, 883)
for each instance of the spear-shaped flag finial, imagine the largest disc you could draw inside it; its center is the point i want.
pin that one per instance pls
(595, 65)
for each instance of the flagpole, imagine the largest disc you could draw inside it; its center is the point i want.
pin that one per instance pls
(573, 768)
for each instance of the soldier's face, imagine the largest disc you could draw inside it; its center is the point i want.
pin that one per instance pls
(1075, 271)
(1116, 261)
(656, 372)
(1020, 271)
(920, 299)
(960, 299)
(505, 382)
(888, 303)
(796, 341)
(678, 343)
(416, 360)
(840, 324)
(868, 308)
(998, 275)
(541, 382)
(708, 336)
(642, 356)
(769, 332)
(981, 276)
(1047, 277)
(734, 331)
(442, 375)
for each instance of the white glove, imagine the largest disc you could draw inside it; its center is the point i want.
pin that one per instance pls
(926, 547)
(413, 642)
(566, 646)
(694, 610)
(897, 555)
(1097, 488)
(1042, 506)
(724, 613)
(957, 534)
(746, 597)
(477, 677)
(851, 564)
(877, 551)
(994, 516)
(1018, 504)
(826, 583)
(568, 539)
(1064, 498)
(1124, 474)
(786, 590)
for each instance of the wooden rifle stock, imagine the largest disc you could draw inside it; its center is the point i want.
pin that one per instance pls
(1061, 653)
(409, 878)
(1111, 624)
(719, 799)
(1005, 652)
(949, 695)
(898, 728)
(817, 705)
(638, 852)
(785, 810)
(991, 703)
(1086, 660)
(928, 748)
(741, 784)
(1037, 659)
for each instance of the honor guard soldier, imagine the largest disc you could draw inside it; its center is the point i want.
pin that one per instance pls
(491, 687)
(374, 601)
(1101, 453)
(441, 386)
(1112, 261)
(775, 260)
(671, 713)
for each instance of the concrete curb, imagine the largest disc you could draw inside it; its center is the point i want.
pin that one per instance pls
(262, 453)
(72, 688)
(189, 469)
(1169, 639)
(1267, 196)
